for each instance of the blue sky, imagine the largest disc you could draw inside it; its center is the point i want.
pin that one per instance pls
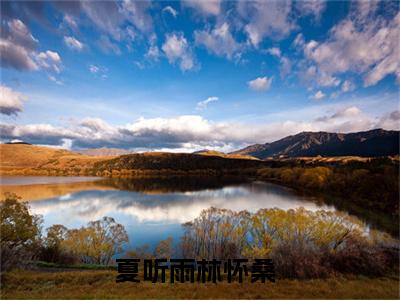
(188, 75)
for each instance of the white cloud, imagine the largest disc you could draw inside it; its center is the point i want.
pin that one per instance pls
(106, 15)
(218, 41)
(203, 104)
(274, 51)
(265, 19)
(108, 46)
(70, 21)
(137, 13)
(177, 49)
(73, 43)
(170, 10)
(16, 56)
(11, 102)
(318, 95)
(368, 47)
(205, 7)
(153, 53)
(327, 80)
(348, 86)
(260, 83)
(94, 69)
(314, 8)
(285, 63)
(192, 132)
(17, 46)
(98, 71)
(55, 80)
(49, 60)
(18, 49)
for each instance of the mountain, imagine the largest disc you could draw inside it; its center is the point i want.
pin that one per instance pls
(377, 142)
(104, 152)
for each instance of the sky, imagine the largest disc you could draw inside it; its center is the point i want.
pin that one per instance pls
(182, 76)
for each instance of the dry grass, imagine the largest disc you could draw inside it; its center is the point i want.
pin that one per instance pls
(101, 284)
(17, 156)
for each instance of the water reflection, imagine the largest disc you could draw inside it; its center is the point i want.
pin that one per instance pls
(153, 209)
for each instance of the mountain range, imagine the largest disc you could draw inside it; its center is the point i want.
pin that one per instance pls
(372, 143)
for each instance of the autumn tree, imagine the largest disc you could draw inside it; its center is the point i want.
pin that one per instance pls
(216, 233)
(52, 250)
(19, 231)
(164, 248)
(142, 252)
(98, 242)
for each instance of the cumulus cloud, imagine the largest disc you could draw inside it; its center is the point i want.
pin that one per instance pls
(206, 8)
(367, 47)
(18, 49)
(318, 95)
(260, 83)
(177, 49)
(316, 77)
(218, 41)
(17, 46)
(192, 132)
(73, 43)
(49, 60)
(11, 102)
(266, 19)
(203, 104)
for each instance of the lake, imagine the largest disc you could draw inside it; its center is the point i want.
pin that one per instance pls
(151, 209)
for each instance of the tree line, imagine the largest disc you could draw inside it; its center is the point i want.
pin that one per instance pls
(302, 243)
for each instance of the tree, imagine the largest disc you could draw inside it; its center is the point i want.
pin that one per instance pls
(52, 250)
(142, 252)
(20, 232)
(98, 242)
(164, 248)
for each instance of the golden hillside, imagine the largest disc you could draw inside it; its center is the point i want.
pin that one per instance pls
(17, 157)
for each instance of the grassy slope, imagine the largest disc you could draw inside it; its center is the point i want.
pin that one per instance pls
(17, 156)
(101, 284)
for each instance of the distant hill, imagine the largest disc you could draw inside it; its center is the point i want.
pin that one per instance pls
(17, 143)
(175, 162)
(373, 143)
(207, 152)
(104, 152)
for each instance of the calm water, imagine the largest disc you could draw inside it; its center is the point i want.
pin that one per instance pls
(150, 209)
